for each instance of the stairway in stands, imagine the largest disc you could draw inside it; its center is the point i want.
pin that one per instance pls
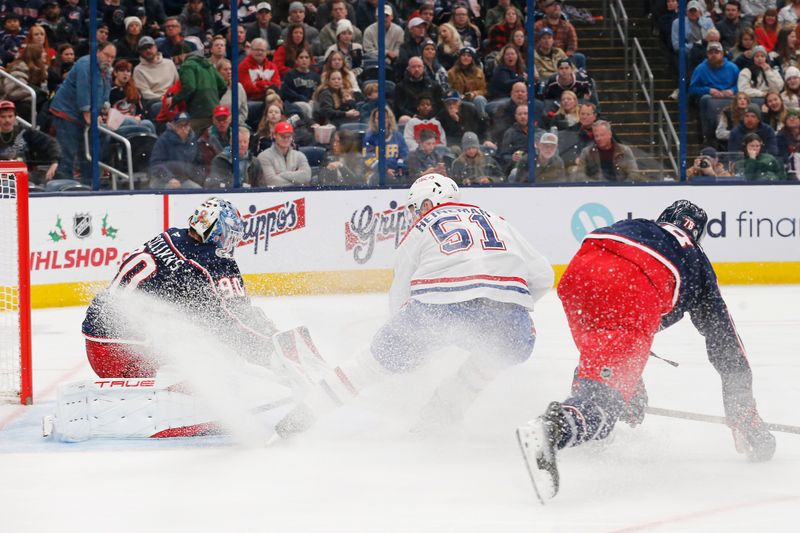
(620, 104)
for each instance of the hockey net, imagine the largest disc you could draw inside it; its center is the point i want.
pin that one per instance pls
(15, 326)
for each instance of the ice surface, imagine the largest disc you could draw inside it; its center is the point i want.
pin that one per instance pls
(361, 470)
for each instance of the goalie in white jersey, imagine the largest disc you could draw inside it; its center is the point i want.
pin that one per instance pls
(463, 276)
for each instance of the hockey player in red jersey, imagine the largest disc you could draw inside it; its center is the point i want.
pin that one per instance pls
(626, 282)
(463, 276)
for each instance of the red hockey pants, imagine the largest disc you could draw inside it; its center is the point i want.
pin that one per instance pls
(614, 296)
(117, 360)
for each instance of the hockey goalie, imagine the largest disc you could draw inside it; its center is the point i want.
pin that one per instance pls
(177, 345)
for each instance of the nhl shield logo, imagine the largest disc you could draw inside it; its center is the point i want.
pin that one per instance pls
(82, 225)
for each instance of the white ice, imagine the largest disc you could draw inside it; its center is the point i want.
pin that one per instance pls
(361, 470)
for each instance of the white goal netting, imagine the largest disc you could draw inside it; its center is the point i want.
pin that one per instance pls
(10, 372)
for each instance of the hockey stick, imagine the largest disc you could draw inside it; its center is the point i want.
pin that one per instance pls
(672, 413)
(673, 363)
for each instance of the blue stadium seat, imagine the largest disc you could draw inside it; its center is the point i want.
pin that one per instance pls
(314, 154)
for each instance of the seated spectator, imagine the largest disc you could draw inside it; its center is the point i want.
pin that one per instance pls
(514, 145)
(785, 53)
(128, 44)
(496, 14)
(257, 73)
(565, 36)
(788, 140)
(791, 87)
(221, 173)
(286, 54)
(567, 79)
(423, 119)
(297, 15)
(751, 123)
(242, 46)
(473, 167)
(196, 20)
(500, 33)
(201, 89)
(415, 83)
(424, 158)
(759, 165)
(11, 38)
(742, 53)
(38, 35)
(549, 165)
(333, 104)
(505, 114)
(300, 83)
(574, 139)
(172, 38)
(21, 143)
(546, 56)
(731, 116)
(126, 100)
(731, 24)
(520, 41)
(395, 150)
(697, 26)
(282, 165)
(567, 114)
(713, 82)
(173, 162)
(412, 46)
(433, 70)
(324, 13)
(394, 37)
(467, 78)
(457, 118)
(226, 71)
(773, 112)
(336, 62)
(606, 159)
(329, 34)
(153, 76)
(219, 49)
(352, 52)
(344, 165)
(469, 32)
(509, 71)
(215, 138)
(369, 102)
(265, 134)
(303, 134)
(30, 69)
(789, 14)
(707, 164)
(65, 58)
(57, 28)
(449, 46)
(767, 29)
(264, 28)
(759, 78)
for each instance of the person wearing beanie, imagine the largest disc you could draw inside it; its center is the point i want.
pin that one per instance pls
(345, 43)
(473, 167)
(757, 164)
(752, 123)
(128, 45)
(713, 82)
(329, 33)
(759, 78)
(791, 87)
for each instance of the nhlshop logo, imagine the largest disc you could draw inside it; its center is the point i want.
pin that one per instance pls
(82, 228)
(261, 225)
(588, 218)
(366, 227)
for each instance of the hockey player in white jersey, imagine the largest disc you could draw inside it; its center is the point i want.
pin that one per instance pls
(463, 276)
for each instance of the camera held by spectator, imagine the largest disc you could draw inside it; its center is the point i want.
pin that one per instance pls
(707, 164)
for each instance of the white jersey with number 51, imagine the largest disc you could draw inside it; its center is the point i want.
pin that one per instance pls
(457, 252)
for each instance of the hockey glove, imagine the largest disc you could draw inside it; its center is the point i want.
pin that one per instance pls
(750, 434)
(633, 414)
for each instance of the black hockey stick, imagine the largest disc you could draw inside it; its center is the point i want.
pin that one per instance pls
(673, 363)
(672, 413)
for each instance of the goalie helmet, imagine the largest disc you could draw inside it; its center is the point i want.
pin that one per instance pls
(687, 216)
(217, 221)
(434, 187)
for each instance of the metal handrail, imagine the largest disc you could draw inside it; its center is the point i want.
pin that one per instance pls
(669, 138)
(27, 88)
(128, 152)
(619, 19)
(643, 78)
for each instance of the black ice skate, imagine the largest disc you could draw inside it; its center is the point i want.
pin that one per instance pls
(537, 441)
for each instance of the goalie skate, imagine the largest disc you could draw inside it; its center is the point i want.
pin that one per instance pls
(540, 458)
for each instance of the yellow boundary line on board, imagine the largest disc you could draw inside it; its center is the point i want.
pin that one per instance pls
(378, 280)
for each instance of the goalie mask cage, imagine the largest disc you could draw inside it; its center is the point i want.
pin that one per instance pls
(15, 287)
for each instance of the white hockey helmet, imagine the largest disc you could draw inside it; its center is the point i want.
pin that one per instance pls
(435, 187)
(217, 221)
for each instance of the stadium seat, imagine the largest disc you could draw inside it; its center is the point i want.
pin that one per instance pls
(314, 154)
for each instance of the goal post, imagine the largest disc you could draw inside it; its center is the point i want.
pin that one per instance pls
(16, 383)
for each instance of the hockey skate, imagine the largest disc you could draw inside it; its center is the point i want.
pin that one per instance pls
(537, 441)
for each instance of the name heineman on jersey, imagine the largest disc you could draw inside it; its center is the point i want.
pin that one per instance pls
(422, 224)
(160, 249)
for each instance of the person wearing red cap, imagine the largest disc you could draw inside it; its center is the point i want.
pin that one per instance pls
(215, 138)
(281, 164)
(18, 142)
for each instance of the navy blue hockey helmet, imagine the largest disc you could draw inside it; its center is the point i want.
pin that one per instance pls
(217, 221)
(687, 216)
